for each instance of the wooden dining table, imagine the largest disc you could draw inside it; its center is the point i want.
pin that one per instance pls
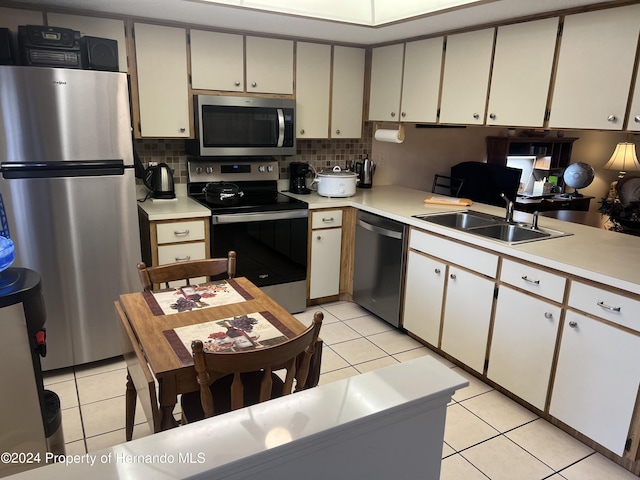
(153, 354)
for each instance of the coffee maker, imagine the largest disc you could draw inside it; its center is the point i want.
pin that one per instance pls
(298, 177)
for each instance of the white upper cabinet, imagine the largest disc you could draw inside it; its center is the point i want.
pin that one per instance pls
(163, 90)
(466, 77)
(217, 61)
(386, 82)
(347, 93)
(521, 74)
(313, 82)
(421, 80)
(595, 65)
(634, 112)
(269, 64)
(95, 27)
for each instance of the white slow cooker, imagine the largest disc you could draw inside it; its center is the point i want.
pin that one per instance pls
(336, 183)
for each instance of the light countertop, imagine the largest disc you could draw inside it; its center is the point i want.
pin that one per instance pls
(608, 257)
(176, 209)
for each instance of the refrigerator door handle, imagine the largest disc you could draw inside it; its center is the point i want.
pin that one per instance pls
(80, 168)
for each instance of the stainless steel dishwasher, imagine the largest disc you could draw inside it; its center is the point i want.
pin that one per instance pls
(379, 260)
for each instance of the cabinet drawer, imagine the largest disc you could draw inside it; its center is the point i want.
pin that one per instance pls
(468, 257)
(326, 219)
(181, 253)
(180, 231)
(533, 280)
(604, 304)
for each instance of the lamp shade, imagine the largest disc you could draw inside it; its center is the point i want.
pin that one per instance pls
(624, 159)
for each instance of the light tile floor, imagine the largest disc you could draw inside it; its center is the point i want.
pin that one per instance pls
(487, 435)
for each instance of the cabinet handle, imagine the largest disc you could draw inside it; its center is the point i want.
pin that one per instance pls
(183, 233)
(254, 84)
(437, 271)
(237, 84)
(404, 114)
(608, 307)
(548, 315)
(182, 130)
(328, 220)
(302, 132)
(393, 114)
(452, 276)
(636, 119)
(476, 116)
(530, 280)
(318, 237)
(183, 259)
(492, 116)
(612, 118)
(338, 132)
(573, 324)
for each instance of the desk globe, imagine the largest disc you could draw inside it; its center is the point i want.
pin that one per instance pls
(578, 175)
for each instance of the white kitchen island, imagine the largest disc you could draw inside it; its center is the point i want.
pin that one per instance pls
(388, 423)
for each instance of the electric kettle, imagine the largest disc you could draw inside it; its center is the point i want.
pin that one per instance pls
(159, 179)
(365, 171)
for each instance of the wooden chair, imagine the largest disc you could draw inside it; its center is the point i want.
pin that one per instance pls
(229, 381)
(450, 186)
(163, 274)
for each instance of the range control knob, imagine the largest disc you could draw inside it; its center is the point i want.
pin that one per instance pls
(261, 168)
(209, 169)
(269, 168)
(198, 170)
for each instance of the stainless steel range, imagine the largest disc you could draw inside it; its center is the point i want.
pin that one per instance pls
(267, 229)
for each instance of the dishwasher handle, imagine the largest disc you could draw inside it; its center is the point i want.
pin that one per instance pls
(382, 231)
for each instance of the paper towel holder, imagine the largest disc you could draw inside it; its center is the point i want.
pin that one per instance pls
(398, 137)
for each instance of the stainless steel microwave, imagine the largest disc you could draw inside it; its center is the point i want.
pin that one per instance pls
(243, 126)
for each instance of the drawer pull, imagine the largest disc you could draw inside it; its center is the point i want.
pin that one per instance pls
(183, 233)
(183, 259)
(437, 270)
(453, 276)
(573, 324)
(328, 220)
(548, 315)
(527, 279)
(608, 307)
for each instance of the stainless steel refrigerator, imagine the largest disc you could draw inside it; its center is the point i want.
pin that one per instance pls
(68, 187)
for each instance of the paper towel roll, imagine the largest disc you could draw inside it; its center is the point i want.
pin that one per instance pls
(391, 136)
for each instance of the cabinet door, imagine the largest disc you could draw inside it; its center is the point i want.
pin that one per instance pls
(386, 82)
(593, 77)
(521, 73)
(421, 83)
(217, 61)
(163, 90)
(634, 113)
(424, 289)
(269, 65)
(522, 345)
(95, 27)
(313, 80)
(596, 381)
(324, 279)
(347, 95)
(466, 77)
(467, 314)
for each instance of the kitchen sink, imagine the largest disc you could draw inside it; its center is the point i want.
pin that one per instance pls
(491, 226)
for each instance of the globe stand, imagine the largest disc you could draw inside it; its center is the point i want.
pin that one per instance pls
(575, 194)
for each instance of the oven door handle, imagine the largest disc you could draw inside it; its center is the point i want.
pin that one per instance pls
(259, 217)
(280, 127)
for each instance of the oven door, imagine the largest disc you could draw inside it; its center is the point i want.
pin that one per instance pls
(271, 249)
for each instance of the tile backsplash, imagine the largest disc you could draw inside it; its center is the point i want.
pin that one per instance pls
(320, 153)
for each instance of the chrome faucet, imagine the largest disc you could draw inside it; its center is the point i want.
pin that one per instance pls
(534, 223)
(509, 213)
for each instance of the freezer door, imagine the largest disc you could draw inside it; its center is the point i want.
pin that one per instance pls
(59, 114)
(81, 235)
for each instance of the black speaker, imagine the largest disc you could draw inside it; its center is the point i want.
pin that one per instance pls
(99, 54)
(6, 50)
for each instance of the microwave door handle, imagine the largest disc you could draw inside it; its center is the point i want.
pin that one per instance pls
(280, 127)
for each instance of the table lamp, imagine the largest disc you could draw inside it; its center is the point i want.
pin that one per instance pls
(623, 159)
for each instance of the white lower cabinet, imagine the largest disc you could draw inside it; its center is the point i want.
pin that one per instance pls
(326, 242)
(467, 316)
(522, 345)
(424, 290)
(596, 381)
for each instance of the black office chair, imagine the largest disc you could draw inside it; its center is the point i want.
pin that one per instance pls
(447, 185)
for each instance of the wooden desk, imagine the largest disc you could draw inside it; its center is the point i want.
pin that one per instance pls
(144, 329)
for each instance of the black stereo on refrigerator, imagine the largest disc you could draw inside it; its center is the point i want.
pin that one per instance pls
(6, 50)
(49, 46)
(99, 54)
